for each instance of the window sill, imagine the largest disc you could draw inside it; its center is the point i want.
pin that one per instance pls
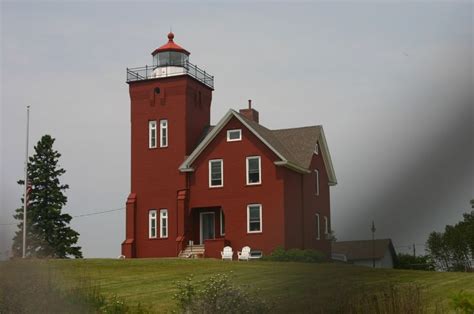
(158, 238)
(254, 232)
(254, 184)
(216, 187)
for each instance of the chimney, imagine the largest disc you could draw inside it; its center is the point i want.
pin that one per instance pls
(250, 113)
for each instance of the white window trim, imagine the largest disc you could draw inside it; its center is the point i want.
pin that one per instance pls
(164, 126)
(248, 218)
(150, 218)
(259, 170)
(163, 210)
(222, 173)
(318, 228)
(317, 181)
(221, 217)
(326, 225)
(235, 139)
(316, 149)
(151, 129)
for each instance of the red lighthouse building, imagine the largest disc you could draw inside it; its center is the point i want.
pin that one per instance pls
(236, 183)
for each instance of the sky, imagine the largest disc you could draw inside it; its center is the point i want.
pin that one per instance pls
(391, 83)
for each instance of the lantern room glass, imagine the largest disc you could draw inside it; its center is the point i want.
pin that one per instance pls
(170, 58)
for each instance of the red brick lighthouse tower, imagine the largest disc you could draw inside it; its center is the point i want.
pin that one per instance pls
(170, 109)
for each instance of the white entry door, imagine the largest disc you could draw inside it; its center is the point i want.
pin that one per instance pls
(207, 227)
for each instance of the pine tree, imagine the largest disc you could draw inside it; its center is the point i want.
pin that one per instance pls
(48, 231)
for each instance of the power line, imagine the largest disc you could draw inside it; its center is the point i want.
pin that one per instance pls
(77, 216)
(98, 213)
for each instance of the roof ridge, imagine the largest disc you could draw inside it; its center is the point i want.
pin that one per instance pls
(300, 127)
(369, 240)
(275, 138)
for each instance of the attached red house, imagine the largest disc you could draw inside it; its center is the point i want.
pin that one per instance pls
(236, 183)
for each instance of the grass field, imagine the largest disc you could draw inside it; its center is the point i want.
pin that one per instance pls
(292, 287)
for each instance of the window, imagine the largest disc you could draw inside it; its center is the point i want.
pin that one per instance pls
(222, 222)
(163, 133)
(216, 176)
(326, 225)
(254, 218)
(316, 172)
(152, 224)
(151, 134)
(254, 170)
(163, 223)
(318, 233)
(234, 135)
(316, 149)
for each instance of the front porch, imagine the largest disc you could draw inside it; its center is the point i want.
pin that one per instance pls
(204, 233)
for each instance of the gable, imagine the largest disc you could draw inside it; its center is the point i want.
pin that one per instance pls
(294, 147)
(233, 152)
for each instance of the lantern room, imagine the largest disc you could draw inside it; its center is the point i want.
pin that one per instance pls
(170, 54)
(169, 60)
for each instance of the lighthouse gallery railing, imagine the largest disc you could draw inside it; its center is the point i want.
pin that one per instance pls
(151, 72)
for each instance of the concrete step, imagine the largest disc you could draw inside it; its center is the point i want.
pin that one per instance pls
(192, 252)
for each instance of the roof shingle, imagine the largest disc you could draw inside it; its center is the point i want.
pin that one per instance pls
(296, 144)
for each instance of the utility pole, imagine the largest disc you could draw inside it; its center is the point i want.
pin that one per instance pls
(373, 244)
(25, 196)
(414, 250)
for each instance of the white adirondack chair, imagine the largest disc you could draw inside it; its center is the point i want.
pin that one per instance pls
(245, 254)
(227, 253)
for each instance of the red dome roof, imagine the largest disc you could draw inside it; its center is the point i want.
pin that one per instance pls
(170, 46)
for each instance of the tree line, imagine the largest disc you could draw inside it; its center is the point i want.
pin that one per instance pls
(449, 250)
(453, 249)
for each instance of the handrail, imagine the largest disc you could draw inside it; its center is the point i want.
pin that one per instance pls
(169, 69)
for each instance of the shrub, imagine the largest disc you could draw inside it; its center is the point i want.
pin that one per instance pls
(463, 302)
(217, 295)
(408, 261)
(295, 255)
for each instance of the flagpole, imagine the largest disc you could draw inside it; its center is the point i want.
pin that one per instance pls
(25, 196)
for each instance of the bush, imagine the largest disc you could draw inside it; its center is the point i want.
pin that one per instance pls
(463, 302)
(217, 295)
(295, 255)
(408, 261)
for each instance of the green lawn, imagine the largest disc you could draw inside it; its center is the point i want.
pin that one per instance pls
(295, 287)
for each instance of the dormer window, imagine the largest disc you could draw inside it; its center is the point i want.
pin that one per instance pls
(234, 135)
(316, 149)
